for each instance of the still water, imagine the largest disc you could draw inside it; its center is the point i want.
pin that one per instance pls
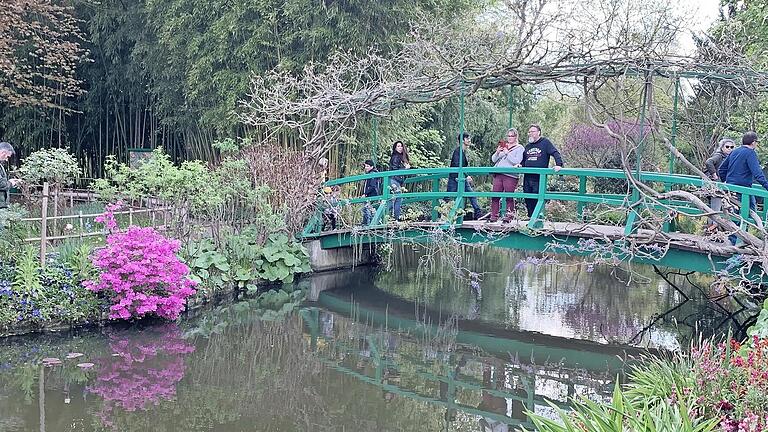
(409, 346)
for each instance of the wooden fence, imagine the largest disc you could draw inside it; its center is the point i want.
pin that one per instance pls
(157, 218)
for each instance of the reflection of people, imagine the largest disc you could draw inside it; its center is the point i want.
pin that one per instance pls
(491, 403)
(6, 152)
(327, 320)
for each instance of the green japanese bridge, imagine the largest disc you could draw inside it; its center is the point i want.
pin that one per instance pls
(665, 246)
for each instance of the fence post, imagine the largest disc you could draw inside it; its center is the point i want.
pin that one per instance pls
(130, 216)
(44, 224)
(80, 221)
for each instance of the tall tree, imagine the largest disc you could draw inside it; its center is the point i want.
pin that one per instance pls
(39, 52)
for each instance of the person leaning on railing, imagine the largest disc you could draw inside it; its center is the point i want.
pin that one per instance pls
(742, 168)
(6, 152)
(537, 155)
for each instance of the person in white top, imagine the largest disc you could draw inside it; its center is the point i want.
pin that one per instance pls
(509, 154)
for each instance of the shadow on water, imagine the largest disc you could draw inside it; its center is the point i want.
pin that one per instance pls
(381, 350)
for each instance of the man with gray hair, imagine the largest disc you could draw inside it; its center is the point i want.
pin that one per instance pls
(6, 151)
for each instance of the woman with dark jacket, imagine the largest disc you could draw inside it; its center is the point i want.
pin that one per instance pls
(711, 167)
(398, 161)
(724, 148)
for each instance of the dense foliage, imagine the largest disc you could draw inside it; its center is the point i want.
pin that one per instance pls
(139, 96)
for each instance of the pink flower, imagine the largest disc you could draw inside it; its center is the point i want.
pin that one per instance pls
(142, 275)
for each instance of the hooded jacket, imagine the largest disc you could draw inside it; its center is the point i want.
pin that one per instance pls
(372, 185)
(712, 165)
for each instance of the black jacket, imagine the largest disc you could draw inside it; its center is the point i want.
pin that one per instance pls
(455, 163)
(396, 163)
(372, 185)
(712, 165)
(537, 154)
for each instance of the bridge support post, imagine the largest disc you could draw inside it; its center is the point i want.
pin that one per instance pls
(331, 259)
(582, 192)
(385, 195)
(436, 201)
(538, 212)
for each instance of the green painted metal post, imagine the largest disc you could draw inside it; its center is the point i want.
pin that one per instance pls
(461, 180)
(436, 201)
(744, 211)
(375, 146)
(385, 193)
(582, 192)
(669, 226)
(632, 217)
(641, 143)
(538, 211)
(673, 137)
(510, 104)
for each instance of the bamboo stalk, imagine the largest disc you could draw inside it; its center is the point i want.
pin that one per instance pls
(44, 225)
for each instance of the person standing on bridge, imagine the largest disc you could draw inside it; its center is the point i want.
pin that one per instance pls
(742, 168)
(372, 189)
(465, 140)
(398, 161)
(537, 154)
(711, 167)
(509, 154)
(6, 152)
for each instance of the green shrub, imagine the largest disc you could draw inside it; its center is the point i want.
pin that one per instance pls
(242, 260)
(53, 165)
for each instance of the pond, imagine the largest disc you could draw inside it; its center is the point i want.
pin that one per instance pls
(407, 346)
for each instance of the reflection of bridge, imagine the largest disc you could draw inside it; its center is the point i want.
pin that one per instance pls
(400, 372)
(667, 247)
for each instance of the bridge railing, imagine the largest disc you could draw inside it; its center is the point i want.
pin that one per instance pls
(430, 190)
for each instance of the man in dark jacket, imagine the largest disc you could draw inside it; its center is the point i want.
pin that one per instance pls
(6, 152)
(464, 139)
(537, 155)
(372, 189)
(742, 168)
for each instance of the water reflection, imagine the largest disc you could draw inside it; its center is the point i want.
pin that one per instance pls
(371, 350)
(141, 371)
(468, 386)
(569, 299)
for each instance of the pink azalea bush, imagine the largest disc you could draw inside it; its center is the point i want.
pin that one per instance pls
(140, 272)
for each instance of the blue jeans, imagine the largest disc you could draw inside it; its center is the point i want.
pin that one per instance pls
(453, 186)
(367, 213)
(398, 202)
